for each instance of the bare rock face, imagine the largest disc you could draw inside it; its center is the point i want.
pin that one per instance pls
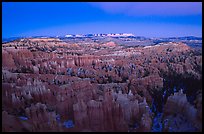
(38, 114)
(36, 118)
(130, 107)
(179, 109)
(110, 44)
(178, 99)
(99, 116)
(7, 60)
(146, 123)
(80, 114)
(199, 106)
(36, 69)
(12, 123)
(143, 86)
(8, 76)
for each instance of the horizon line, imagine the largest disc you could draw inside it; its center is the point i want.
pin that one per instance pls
(96, 36)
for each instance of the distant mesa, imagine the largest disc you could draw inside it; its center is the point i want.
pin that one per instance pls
(101, 35)
(121, 35)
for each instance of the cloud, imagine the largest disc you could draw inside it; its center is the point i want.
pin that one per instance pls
(151, 8)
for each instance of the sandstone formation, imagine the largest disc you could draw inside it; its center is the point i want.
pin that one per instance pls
(53, 85)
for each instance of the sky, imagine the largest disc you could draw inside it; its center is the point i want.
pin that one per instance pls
(149, 19)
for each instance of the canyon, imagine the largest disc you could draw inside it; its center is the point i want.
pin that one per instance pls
(50, 84)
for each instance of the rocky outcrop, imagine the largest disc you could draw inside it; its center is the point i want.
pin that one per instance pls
(109, 44)
(178, 108)
(104, 115)
(7, 60)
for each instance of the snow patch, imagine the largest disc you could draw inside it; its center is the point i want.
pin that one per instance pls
(23, 118)
(68, 124)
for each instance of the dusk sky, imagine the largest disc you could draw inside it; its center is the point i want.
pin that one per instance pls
(149, 19)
